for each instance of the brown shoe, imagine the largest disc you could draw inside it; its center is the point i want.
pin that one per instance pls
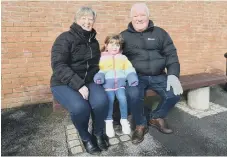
(138, 134)
(161, 125)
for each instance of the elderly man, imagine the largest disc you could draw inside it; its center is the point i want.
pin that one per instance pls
(152, 52)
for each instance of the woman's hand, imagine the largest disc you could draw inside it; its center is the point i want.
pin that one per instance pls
(84, 92)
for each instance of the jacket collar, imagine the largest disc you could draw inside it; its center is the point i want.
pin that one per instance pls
(149, 28)
(77, 29)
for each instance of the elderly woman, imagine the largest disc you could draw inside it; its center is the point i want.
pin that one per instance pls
(74, 59)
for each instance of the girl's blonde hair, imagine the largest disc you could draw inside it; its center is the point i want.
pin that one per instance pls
(115, 38)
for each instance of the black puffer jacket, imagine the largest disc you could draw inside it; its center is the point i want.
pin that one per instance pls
(74, 58)
(151, 51)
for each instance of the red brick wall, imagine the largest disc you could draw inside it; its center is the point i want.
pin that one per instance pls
(199, 31)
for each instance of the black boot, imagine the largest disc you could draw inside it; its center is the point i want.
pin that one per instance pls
(91, 147)
(138, 134)
(102, 141)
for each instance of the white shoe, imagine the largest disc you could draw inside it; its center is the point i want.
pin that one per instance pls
(125, 126)
(109, 128)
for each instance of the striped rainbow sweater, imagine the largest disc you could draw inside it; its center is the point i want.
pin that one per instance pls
(114, 71)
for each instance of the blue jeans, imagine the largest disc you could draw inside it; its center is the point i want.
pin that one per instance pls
(81, 109)
(121, 97)
(136, 95)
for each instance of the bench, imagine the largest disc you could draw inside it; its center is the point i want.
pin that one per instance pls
(198, 87)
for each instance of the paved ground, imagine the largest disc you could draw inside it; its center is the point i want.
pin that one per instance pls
(121, 145)
(33, 130)
(197, 136)
(37, 130)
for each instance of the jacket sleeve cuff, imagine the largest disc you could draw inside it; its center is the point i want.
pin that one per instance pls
(76, 83)
(174, 69)
(132, 78)
(99, 76)
(76, 86)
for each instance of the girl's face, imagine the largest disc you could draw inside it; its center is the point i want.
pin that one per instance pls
(113, 48)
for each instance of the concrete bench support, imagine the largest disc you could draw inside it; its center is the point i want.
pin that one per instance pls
(199, 98)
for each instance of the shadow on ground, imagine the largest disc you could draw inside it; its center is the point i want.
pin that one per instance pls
(197, 136)
(33, 130)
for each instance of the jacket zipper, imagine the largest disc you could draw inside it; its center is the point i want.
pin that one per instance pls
(86, 72)
(90, 38)
(115, 79)
(90, 58)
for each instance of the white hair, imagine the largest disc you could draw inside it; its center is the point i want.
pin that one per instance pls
(84, 11)
(140, 5)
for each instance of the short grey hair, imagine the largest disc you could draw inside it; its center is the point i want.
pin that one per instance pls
(84, 11)
(141, 5)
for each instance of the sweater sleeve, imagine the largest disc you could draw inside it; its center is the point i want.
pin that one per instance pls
(101, 74)
(60, 54)
(130, 72)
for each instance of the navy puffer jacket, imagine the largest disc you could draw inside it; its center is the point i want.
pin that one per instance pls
(151, 51)
(74, 58)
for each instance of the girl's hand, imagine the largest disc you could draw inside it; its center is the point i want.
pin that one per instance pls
(98, 81)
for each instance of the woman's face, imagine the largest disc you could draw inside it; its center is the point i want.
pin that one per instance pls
(86, 22)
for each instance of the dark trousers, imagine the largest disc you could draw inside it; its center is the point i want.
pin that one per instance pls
(135, 96)
(81, 109)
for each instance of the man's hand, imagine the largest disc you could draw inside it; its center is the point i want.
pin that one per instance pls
(84, 92)
(173, 81)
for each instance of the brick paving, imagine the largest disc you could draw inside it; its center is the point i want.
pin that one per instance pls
(75, 144)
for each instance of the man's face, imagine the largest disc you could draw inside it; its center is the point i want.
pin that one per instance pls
(140, 19)
(86, 22)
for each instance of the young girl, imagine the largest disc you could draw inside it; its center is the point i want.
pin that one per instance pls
(115, 70)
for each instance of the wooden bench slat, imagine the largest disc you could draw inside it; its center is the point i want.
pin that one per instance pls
(195, 81)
